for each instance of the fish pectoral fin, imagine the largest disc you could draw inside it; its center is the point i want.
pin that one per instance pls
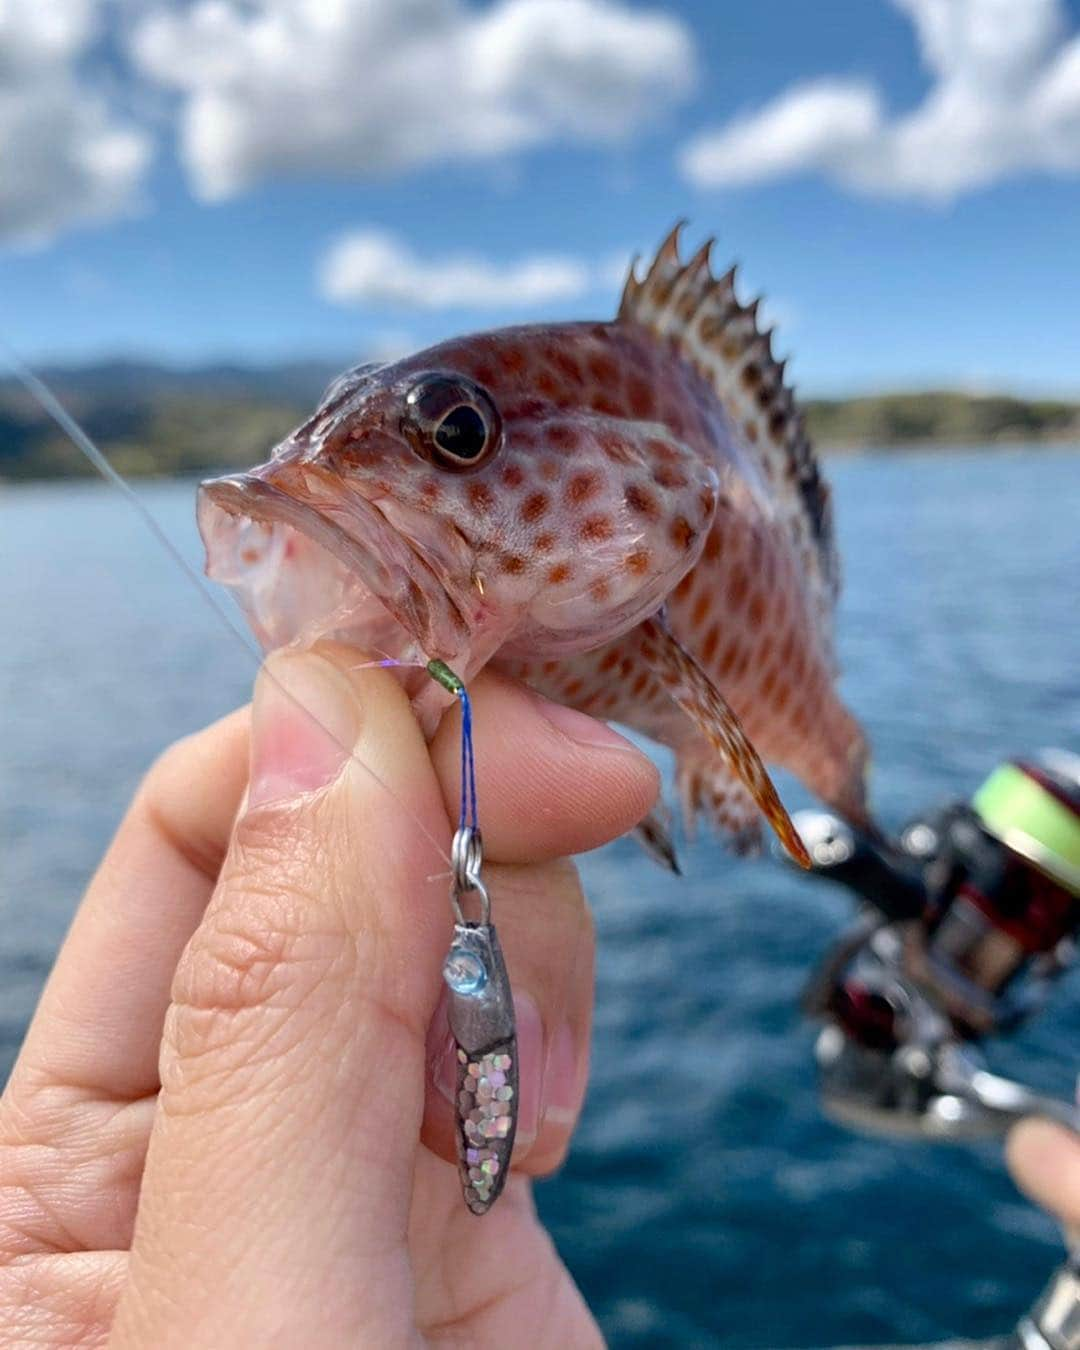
(687, 684)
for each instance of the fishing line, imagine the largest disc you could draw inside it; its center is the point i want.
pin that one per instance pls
(41, 392)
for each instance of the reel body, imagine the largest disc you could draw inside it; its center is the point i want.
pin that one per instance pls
(964, 923)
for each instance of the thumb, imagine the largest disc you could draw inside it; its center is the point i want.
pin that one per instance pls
(276, 1194)
(1044, 1159)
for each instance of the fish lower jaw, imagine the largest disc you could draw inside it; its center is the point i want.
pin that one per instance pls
(300, 579)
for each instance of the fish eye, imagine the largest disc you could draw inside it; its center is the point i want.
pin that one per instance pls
(451, 421)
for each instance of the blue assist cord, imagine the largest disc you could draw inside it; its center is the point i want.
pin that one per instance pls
(441, 673)
(469, 814)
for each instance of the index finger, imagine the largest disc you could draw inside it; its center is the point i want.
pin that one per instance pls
(99, 1021)
(551, 781)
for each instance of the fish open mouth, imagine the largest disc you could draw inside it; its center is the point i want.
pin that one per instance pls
(305, 563)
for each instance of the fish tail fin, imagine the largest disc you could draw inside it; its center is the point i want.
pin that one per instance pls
(687, 307)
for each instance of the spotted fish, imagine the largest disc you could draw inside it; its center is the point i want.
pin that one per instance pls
(628, 515)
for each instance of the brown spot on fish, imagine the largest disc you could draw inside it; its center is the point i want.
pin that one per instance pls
(563, 436)
(603, 403)
(640, 397)
(682, 533)
(513, 564)
(603, 370)
(544, 543)
(708, 647)
(638, 561)
(661, 450)
(560, 573)
(534, 506)
(567, 367)
(513, 360)
(615, 449)
(756, 609)
(609, 662)
(638, 687)
(596, 529)
(641, 500)
(480, 497)
(600, 591)
(547, 384)
(549, 470)
(737, 588)
(581, 487)
(667, 477)
(701, 609)
(751, 432)
(512, 476)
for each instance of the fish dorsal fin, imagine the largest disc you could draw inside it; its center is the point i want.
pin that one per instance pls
(700, 316)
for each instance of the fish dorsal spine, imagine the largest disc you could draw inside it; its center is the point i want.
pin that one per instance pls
(700, 315)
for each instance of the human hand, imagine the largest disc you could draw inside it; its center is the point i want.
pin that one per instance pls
(1044, 1159)
(222, 1130)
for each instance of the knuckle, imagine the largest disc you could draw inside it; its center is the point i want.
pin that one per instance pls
(267, 970)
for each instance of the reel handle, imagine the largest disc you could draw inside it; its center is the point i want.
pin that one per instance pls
(878, 873)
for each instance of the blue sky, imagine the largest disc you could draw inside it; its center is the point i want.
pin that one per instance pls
(900, 177)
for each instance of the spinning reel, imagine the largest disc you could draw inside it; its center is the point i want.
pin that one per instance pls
(965, 922)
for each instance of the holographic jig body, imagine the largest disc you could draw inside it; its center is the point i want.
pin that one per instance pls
(481, 1004)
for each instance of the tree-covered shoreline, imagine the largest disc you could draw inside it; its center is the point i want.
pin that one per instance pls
(155, 420)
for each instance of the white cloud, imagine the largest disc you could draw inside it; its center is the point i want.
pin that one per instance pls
(65, 158)
(369, 267)
(1004, 100)
(813, 126)
(272, 88)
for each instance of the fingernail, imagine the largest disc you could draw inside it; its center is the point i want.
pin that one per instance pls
(581, 728)
(442, 1064)
(305, 718)
(530, 1044)
(562, 1081)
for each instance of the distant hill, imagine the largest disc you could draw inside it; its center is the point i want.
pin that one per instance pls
(940, 418)
(153, 419)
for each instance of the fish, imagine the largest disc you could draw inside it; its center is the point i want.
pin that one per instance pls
(628, 515)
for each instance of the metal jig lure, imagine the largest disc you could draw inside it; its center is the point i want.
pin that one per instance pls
(481, 1004)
